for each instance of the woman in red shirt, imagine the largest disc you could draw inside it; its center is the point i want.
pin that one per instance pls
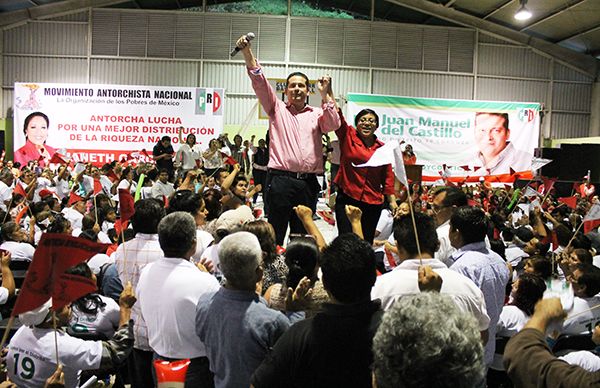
(363, 187)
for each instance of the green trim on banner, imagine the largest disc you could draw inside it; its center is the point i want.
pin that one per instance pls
(438, 104)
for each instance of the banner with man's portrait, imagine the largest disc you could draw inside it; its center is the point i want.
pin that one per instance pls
(458, 139)
(101, 123)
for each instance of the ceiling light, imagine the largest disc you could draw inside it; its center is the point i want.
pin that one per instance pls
(523, 13)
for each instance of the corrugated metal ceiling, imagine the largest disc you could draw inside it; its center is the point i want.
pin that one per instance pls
(574, 24)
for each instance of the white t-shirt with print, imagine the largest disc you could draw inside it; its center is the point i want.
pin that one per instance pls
(31, 357)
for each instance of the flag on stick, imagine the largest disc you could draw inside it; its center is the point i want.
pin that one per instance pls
(46, 276)
(126, 205)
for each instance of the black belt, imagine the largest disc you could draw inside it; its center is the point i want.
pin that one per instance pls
(291, 174)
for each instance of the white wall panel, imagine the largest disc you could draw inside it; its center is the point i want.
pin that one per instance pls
(342, 80)
(495, 89)
(565, 125)
(238, 108)
(564, 73)
(384, 46)
(303, 47)
(571, 96)
(47, 38)
(357, 41)
(133, 72)
(44, 69)
(422, 85)
(512, 61)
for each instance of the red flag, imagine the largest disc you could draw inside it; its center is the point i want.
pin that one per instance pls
(126, 204)
(21, 214)
(120, 226)
(145, 153)
(507, 187)
(45, 277)
(166, 201)
(548, 184)
(112, 176)
(476, 168)
(73, 198)
(57, 158)
(569, 201)
(466, 168)
(20, 190)
(97, 186)
(228, 159)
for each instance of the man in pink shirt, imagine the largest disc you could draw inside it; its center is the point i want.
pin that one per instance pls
(295, 147)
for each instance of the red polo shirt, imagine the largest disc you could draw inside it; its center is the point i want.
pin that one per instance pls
(366, 184)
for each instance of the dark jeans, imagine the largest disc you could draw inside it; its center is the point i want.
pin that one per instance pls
(369, 219)
(139, 365)
(198, 374)
(260, 177)
(334, 170)
(283, 194)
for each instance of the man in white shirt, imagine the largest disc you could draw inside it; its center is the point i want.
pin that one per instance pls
(75, 211)
(162, 187)
(6, 181)
(445, 200)
(130, 258)
(168, 291)
(584, 316)
(403, 280)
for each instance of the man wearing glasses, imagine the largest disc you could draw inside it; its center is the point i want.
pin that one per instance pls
(445, 200)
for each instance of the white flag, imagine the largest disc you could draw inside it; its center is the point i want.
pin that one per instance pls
(534, 204)
(399, 167)
(524, 207)
(389, 153)
(537, 163)
(530, 192)
(382, 156)
(593, 214)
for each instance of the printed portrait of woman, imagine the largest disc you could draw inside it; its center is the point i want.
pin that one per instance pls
(35, 128)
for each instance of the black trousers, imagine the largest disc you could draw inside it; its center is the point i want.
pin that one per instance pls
(139, 366)
(285, 192)
(369, 219)
(260, 177)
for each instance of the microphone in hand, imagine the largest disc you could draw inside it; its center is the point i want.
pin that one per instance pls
(249, 37)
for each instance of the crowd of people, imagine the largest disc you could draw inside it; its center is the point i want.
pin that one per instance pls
(424, 286)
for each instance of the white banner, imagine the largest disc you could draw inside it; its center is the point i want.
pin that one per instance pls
(472, 138)
(102, 123)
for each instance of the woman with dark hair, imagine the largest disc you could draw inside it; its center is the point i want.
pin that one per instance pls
(126, 181)
(212, 159)
(212, 202)
(60, 225)
(35, 128)
(527, 290)
(274, 267)
(538, 265)
(187, 155)
(363, 187)
(16, 241)
(192, 203)
(238, 152)
(302, 259)
(92, 314)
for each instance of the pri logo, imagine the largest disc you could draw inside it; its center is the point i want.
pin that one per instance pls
(526, 115)
(208, 101)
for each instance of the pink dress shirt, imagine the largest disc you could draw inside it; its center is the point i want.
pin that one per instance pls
(295, 136)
